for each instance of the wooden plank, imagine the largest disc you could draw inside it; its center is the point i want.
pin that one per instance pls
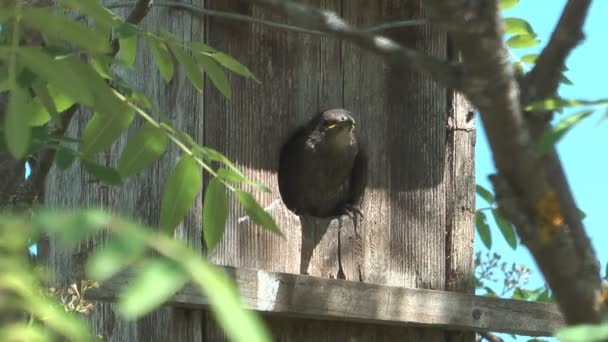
(291, 295)
(140, 196)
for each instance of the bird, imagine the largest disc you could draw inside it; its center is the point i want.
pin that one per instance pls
(323, 168)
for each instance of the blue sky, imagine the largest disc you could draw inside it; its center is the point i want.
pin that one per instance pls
(583, 150)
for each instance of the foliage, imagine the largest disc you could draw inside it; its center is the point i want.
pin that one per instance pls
(163, 266)
(75, 68)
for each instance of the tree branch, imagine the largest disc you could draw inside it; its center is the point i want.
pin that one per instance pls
(529, 180)
(543, 80)
(449, 74)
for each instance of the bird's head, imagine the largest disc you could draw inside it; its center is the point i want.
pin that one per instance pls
(337, 127)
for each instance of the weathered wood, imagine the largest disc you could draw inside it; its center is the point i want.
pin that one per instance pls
(291, 295)
(403, 240)
(140, 197)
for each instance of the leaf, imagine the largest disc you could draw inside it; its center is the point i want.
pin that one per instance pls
(128, 50)
(181, 189)
(56, 72)
(483, 229)
(506, 4)
(530, 58)
(232, 64)
(157, 281)
(64, 158)
(518, 26)
(214, 155)
(102, 67)
(583, 333)
(93, 8)
(484, 193)
(215, 212)
(17, 122)
(116, 255)
(70, 227)
(258, 186)
(162, 56)
(506, 228)
(257, 213)
(44, 96)
(215, 74)
(102, 130)
(146, 146)
(230, 175)
(66, 29)
(522, 41)
(105, 174)
(188, 63)
(565, 80)
(238, 323)
(555, 133)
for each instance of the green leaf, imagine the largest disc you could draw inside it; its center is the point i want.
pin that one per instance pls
(520, 294)
(180, 192)
(115, 256)
(156, 282)
(58, 73)
(484, 193)
(238, 323)
(128, 49)
(583, 333)
(70, 227)
(64, 158)
(102, 67)
(215, 74)
(93, 8)
(522, 41)
(17, 122)
(230, 175)
(483, 229)
(44, 97)
(162, 57)
(258, 185)
(215, 212)
(146, 146)
(506, 4)
(102, 130)
(232, 64)
(257, 213)
(214, 155)
(518, 26)
(66, 29)
(506, 228)
(555, 133)
(530, 58)
(105, 174)
(188, 63)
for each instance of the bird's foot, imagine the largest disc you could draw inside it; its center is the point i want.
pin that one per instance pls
(352, 211)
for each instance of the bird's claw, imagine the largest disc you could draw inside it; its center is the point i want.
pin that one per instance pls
(352, 212)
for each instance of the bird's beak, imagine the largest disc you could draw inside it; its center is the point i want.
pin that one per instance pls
(346, 123)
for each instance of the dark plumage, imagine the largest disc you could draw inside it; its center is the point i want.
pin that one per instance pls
(322, 167)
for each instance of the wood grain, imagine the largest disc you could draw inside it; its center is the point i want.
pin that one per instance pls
(300, 296)
(140, 197)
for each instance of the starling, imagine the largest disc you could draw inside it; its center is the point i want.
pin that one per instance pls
(322, 167)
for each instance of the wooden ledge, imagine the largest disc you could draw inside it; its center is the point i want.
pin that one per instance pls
(303, 296)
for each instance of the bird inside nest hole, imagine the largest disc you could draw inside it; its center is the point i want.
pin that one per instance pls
(323, 168)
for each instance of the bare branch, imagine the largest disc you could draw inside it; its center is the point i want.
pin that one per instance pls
(200, 11)
(449, 74)
(527, 179)
(543, 80)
